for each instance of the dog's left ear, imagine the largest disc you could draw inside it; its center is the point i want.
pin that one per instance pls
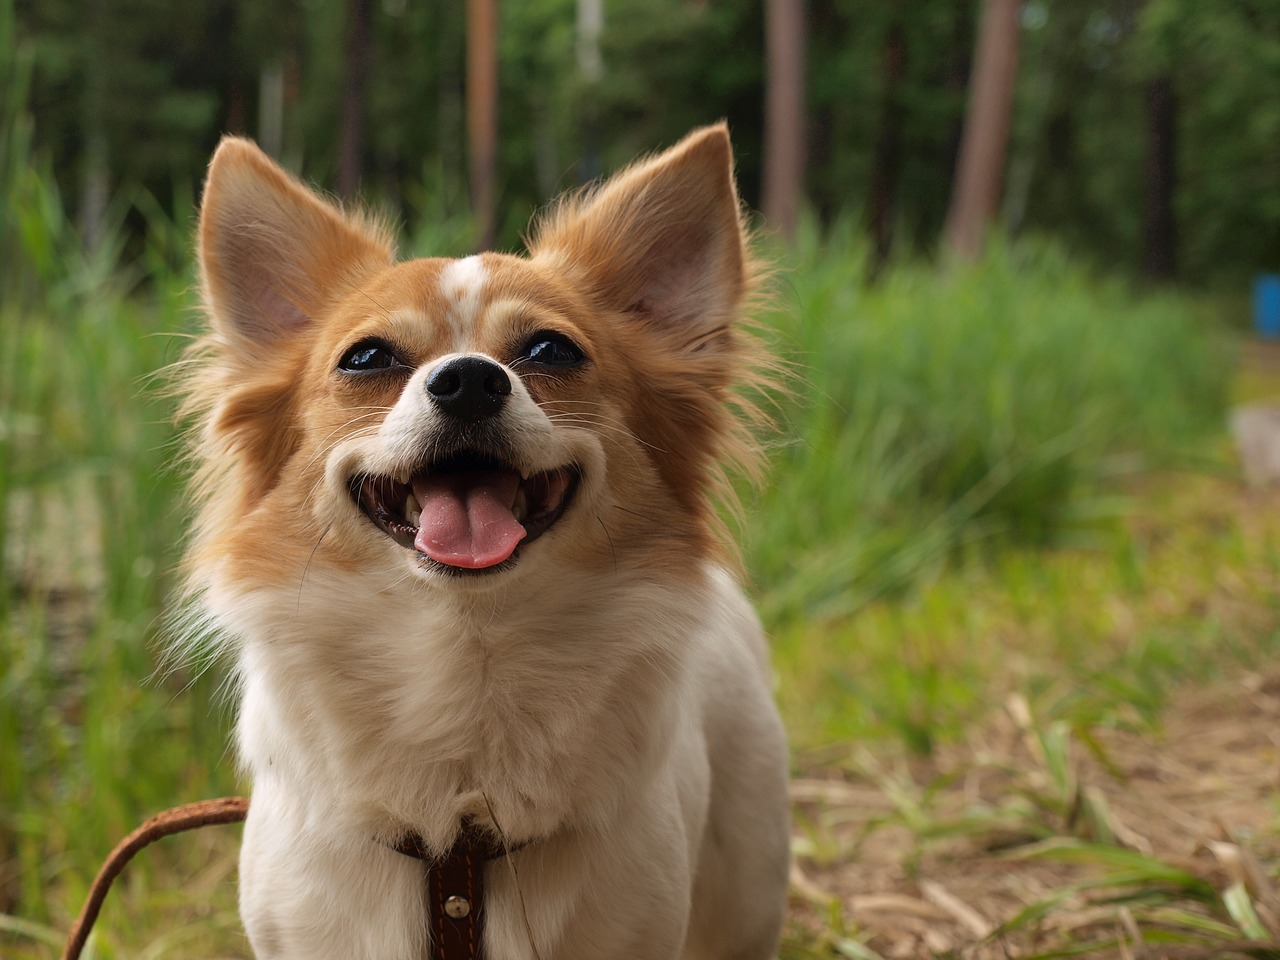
(662, 241)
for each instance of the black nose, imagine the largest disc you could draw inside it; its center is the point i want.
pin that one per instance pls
(469, 388)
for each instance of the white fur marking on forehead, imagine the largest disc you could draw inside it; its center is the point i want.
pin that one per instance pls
(462, 282)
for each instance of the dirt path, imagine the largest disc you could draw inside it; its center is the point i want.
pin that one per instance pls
(932, 859)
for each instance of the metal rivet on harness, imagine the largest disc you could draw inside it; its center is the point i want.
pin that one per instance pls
(457, 907)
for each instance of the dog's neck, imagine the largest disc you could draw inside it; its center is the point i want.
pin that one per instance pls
(456, 708)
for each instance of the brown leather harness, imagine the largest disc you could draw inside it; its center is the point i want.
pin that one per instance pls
(455, 891)
(454, 887)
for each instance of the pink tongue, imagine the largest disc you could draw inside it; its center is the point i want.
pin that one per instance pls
(467, 519)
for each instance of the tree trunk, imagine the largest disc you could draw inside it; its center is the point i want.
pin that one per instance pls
(482, 113)
(958, 71)
(1160, 233)
(351, 147)
(271, 111)
(95, 171)
(975, 196)
(888, 150)
(591, 70)
(784, 152)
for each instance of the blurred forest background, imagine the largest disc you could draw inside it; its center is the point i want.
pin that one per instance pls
(1025, 612)
(1145, 133)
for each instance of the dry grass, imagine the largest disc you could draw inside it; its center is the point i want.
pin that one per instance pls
(983, 851)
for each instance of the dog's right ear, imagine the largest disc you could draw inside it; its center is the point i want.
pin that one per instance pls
(272, 252)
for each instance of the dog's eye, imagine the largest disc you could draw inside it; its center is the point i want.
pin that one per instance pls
(553, 350)
(368, 356)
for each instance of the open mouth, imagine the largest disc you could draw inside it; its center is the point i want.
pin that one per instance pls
(469, 511)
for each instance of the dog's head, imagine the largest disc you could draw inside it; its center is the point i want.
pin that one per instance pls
(466, 421)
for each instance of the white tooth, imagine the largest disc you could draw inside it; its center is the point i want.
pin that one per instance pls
(521, 505)
(412, 510)
(403, 476)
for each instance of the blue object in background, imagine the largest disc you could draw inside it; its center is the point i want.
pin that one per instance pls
(1266, 305)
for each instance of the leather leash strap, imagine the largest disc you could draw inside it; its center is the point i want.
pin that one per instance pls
(455, 891)
(188, 817)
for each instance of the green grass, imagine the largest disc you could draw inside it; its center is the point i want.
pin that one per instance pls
(92, 738)
(1183, 587)
(947, 410)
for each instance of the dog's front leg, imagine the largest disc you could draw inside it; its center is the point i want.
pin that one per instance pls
(309, 891)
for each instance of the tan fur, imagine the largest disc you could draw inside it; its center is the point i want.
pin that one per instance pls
(605, 696)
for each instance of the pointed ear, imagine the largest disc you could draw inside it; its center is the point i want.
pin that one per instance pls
(662, 241)
(272, 253)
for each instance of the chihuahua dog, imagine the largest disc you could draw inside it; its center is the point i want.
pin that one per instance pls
(458, 529)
